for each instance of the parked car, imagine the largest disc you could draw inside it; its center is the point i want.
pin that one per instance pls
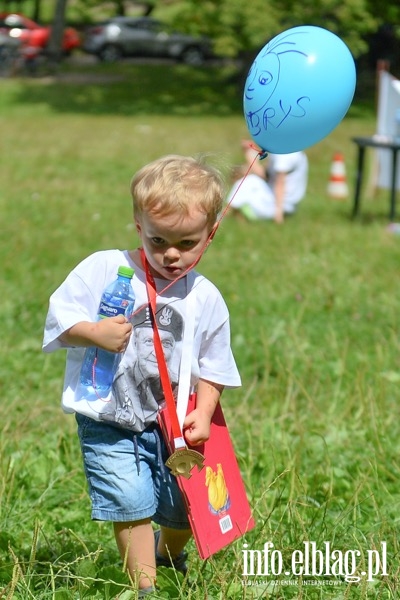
(9, 51)
(8, 45)
(143, 37)
(31, 34)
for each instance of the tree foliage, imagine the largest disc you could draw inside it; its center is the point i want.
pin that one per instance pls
(242, 26)
(236, 26)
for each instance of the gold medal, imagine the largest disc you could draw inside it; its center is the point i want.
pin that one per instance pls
(182, 461)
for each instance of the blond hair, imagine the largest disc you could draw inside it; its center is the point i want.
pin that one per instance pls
(176, 184)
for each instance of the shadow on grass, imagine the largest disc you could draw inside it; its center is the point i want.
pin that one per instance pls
(130, 89)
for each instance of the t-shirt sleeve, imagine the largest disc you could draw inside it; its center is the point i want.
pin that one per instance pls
(284, 163)
(215, 358)
(71, 303)
(217, 363)
(77, 299)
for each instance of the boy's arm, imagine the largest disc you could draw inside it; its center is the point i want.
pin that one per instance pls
(197, 423)
(110, 334)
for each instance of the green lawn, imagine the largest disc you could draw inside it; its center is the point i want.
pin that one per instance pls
(314, 330)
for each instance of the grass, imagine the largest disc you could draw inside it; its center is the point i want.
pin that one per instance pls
(314, 330)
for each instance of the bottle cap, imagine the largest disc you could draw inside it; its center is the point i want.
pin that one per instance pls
(126, 272)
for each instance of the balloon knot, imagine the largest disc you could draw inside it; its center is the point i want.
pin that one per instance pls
(263, 154)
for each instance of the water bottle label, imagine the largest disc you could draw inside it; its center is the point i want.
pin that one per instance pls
(110, 310)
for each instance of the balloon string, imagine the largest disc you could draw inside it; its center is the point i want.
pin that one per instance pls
(261, 154)
(194, 263)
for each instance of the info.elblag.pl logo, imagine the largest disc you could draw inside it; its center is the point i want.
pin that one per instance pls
(310, 561)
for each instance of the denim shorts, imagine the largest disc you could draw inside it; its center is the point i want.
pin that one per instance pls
(128, 480)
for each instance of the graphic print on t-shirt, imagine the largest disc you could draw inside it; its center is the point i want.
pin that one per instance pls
(137, 391)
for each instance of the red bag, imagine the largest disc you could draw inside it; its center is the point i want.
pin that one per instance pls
(215, 496)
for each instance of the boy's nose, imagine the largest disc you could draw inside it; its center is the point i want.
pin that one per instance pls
(171, 255)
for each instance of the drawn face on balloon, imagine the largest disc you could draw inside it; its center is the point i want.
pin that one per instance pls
(299, 88)
(265, 105)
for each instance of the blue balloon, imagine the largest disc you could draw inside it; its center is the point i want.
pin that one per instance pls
(299, 88)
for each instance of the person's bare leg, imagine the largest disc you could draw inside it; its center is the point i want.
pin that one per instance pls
(135, 541)
(172, 541)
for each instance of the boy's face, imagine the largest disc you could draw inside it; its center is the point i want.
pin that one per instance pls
(172, 243)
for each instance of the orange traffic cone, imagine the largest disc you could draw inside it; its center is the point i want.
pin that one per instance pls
(337, 186)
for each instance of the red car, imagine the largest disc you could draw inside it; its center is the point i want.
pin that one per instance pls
(32, 35)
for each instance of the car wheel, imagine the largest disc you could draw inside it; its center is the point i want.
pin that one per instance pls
(193, 56)
(110, 53)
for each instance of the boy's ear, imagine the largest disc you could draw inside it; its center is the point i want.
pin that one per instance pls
(138, 227)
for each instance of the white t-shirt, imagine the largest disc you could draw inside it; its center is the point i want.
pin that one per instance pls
(295, 165)
(255, 197)
(253, 192)
(136, 393)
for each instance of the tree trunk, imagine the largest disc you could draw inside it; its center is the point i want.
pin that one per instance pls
(120, 8)
(54, 48)
(36, 11)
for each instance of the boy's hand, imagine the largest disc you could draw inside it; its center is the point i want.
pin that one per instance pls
(112, 333)
(196, 427)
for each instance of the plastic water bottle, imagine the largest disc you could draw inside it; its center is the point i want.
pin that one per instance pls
(99, 366)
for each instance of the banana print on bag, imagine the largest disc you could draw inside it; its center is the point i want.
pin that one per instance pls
(218, 496)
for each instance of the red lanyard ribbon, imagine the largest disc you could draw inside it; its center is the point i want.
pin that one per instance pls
(179, 441)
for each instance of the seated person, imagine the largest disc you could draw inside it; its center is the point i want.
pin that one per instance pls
(269, 192)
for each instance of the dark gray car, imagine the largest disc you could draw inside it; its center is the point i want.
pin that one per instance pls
(9, 53)
(143, 37)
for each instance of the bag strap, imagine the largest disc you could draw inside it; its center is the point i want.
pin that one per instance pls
(179, 441)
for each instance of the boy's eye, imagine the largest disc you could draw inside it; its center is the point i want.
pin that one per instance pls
(157, 241)
(187, 243)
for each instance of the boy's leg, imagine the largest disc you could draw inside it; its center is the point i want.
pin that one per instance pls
(172, 541)
(135, 542)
